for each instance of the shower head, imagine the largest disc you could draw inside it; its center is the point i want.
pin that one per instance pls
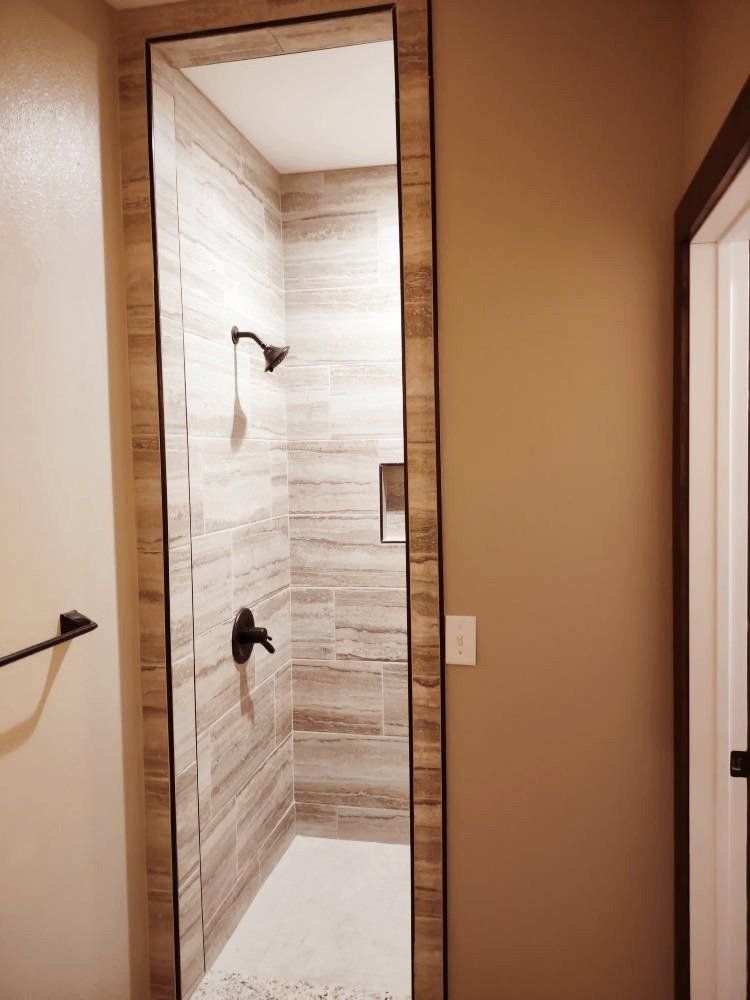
(273, 355)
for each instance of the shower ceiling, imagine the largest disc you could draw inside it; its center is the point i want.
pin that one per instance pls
(320, 110)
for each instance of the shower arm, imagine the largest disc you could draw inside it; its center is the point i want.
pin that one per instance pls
(237, 335)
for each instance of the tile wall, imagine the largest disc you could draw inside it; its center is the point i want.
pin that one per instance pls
(219, 234)
(344, 406)
(273, 503)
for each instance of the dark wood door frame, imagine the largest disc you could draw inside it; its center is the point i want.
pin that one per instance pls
(728, 154)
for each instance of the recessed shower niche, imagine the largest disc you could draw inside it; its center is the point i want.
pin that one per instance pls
(278, 264)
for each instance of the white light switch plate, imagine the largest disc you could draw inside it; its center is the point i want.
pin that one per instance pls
(461, 640)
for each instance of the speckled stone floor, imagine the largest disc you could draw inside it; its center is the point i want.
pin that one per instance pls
(219, 985)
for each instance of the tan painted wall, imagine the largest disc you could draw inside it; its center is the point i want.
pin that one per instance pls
(717, 65)
(71, 865)
(557, 123)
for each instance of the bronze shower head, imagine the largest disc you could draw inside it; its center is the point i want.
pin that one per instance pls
(273, 355)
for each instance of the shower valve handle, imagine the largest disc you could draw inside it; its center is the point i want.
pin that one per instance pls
(245, 634)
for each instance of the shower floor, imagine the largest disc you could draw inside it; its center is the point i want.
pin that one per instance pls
(335, 914)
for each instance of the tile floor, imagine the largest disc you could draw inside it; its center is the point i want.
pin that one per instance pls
(333, 912)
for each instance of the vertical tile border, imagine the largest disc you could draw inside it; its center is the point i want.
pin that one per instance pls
(411, 20)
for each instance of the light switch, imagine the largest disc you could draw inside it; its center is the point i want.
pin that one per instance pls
(461, 639)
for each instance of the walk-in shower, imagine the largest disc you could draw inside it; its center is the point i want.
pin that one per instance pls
(286, 517)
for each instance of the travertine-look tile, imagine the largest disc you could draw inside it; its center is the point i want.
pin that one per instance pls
(218, 929)
(191, 931)
(274, 615)
(339, 769)
(328, 251)
(178, 489)
(328, 326)
(312, 624)
(264, 801)
(342, 550)
(371, 625)
(180, 602)
(396, 699)
(315, 820)
(277, 844)
(212, 580)
(283, 695)
(366, 400)
(183, 712)
(279, 484)
(240, 742)
(384, 826)
(220, 683)
(186, 812)
(308, 400)
(218, 858)
(338, 697)
(333, 477)
(260, 561)
(235, 484)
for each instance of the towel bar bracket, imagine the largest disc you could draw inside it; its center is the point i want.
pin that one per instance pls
(72, 624)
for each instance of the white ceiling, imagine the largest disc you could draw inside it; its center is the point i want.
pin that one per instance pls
(320, 110)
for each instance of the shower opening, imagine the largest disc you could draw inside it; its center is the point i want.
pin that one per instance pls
(277, 235)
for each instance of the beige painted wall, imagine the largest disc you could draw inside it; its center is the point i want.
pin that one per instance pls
(557, 123)
(716, 67)
(71, 864)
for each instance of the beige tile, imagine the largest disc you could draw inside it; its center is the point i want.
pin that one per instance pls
(178, 489)
(343, 550)
(260, 561)
(191, 932)
(392, 449)
(308, 400)
(396, 699)
(277, 844)
(338, 697)
(328, 326)
(268, 403)
(219, 394)
(366, 400)
(333, 250)
(173, 374)
(235, 485)
(212, 580)
(186, 814)
(371, 625)
(279, 483)
(240, 742)
(339, 769)
(333, 477)
(274, 615)
(264, 801)
(382, 826)
(312, 624)
(183, 712)
(220, 683)
(219, 929)
(283, 696)
(314, 820)
(180, 602)
(218, 858)
(274, 248)
(203, 744)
